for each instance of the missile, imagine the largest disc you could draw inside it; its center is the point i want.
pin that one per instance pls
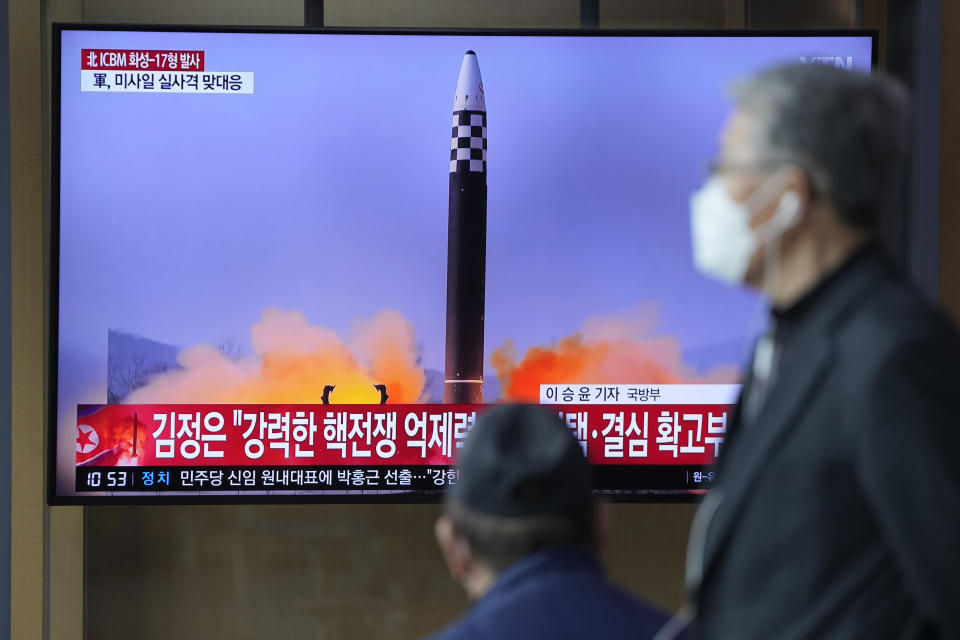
(466, 239)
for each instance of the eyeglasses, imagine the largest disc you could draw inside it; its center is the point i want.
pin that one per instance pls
(720, 167)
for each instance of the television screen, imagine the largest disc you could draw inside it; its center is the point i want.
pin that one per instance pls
(295, 266)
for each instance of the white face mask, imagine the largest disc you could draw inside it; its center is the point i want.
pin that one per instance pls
(723, 242)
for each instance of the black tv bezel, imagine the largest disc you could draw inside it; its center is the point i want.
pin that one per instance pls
(53, 281)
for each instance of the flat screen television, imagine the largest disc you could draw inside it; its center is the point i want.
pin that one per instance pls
(294, 265)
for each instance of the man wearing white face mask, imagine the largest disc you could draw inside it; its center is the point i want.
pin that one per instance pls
(837, 511)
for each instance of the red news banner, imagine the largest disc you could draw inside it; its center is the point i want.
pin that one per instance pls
(197, 435)
(259, 447)
(141, 60)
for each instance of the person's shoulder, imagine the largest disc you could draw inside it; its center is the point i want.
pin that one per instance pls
(897, 321)
(647, 618)
(610, 608)
(592, 605)
(569, 599)
(461, 629)
(898, 346)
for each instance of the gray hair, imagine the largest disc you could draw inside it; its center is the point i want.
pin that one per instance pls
(499, 541)
(847, 130)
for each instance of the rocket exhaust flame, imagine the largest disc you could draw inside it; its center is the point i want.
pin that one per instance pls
(607, 350)
(291, 363)
(294, 362)
(328, 389)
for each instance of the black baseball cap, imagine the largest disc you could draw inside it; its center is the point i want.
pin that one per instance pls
(522, 460)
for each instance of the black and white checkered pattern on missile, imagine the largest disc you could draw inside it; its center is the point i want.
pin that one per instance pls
(468, 144)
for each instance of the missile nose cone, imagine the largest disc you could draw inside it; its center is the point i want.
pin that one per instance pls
(469, 96)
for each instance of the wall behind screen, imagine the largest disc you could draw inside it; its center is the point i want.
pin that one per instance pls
(213, 12)
(305, 571)
(452, 13)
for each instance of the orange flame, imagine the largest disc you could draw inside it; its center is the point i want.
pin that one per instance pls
(607, 350)
(292, 363)
(118, 436)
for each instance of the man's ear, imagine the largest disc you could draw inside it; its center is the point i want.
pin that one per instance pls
(602, 521)
(456, 552)
(798, 181)
(797, 198)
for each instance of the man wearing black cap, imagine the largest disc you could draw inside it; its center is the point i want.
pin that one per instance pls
(520, 531)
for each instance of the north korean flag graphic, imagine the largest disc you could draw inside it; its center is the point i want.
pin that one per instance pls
(87, 439)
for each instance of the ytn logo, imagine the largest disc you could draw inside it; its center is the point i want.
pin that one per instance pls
(836, 61)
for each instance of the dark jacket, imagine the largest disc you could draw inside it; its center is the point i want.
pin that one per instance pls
(838, 510)
(557, 594)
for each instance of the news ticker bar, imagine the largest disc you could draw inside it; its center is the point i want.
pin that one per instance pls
(357, 478)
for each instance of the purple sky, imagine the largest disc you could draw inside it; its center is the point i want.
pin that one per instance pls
(183, 216)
